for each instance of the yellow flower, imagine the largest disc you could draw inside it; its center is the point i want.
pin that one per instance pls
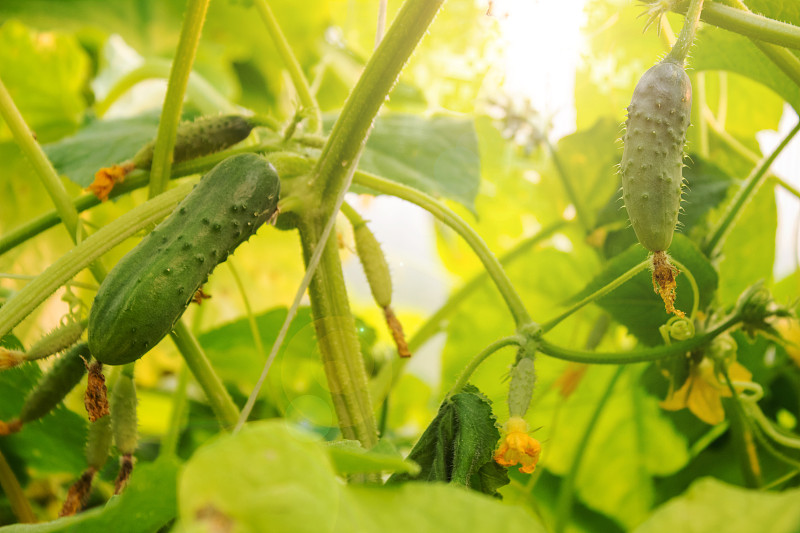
(517, 447)
(703, 391)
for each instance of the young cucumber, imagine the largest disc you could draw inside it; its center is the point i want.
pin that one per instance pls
(150, 288)
(658, 118)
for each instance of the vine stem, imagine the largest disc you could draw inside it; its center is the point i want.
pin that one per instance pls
(635, 356)
(449, 217)
(169, 444)
(599, 293)
(433, 324)
(307, 100)
(13, 491)
(199, 90)
(44, 169)
(713, 245)
(90, 249)
(566, 493)
(749, 24)
(744, 433)
(463, 378)
(686, 38)
(176, 88)
(218, 398)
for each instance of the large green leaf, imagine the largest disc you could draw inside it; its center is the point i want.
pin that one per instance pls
(147, 504)
(710, 505)
(100, 144)
(438, 155)
(46, 74)
(458, 444)
(636, 305)
(273, 477)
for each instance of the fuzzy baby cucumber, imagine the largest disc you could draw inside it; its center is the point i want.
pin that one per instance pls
(146, 293)
(652, 161)
(56, 383)
(203, 136)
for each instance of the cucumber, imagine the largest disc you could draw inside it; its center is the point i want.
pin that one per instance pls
(56, 384)
(652, 161)
(203, 136)
(146, 293)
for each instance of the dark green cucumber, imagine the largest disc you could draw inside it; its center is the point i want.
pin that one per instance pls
(652, 162)
(56, 383)
(146, 293)
(203, 136)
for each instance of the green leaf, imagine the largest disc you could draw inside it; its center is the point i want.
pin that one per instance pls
(710, 505)
(46, 74)
(148, 503)
(438, 155)
(635, 305)
(458, 444)
(349, 457)
(53, 444)
(100, 144)
(274, 477)
(718, 49)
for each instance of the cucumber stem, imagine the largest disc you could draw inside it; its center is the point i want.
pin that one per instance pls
(475, 362)
(636, 356)
(686, 38)
(13, 491)
(192, 26)
(307, 100)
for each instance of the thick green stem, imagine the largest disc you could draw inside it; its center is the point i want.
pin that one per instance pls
(338, 341)
(513, 340)
(199, 90)
(433, 324)
(713, 245)
(567, 491)
(686, 38)
(307, 100)
(599, 293)
(350, 131)
(13, 491)
(89, 250)
(446, 215)
(218, 397)
(173, 102)
(749, 24)
(636, 356)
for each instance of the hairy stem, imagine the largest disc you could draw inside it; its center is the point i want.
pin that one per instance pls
(449, 217)
(686, 38)
(749, 24)
(635, 356)
(599, 293)
(567, 491)
(193, 21)
(713, 245)
(307, 100)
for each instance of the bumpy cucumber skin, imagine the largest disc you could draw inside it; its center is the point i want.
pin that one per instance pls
(203, 136)
(98, 442)
(146, 293)
(520, 390)
(652, 161)
(374, 263)
(123, 414)
(56, 384)
(57, 340)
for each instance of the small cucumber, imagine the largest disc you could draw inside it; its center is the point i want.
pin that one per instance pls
(59, 339)
(146, 293)
(56, 384)
(123, 413)
(652, 161)
(203, 136)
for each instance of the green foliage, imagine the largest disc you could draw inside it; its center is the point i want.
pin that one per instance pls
(458, 444)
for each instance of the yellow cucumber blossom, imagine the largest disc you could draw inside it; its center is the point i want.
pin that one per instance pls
(517, 447)
(703, 391)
